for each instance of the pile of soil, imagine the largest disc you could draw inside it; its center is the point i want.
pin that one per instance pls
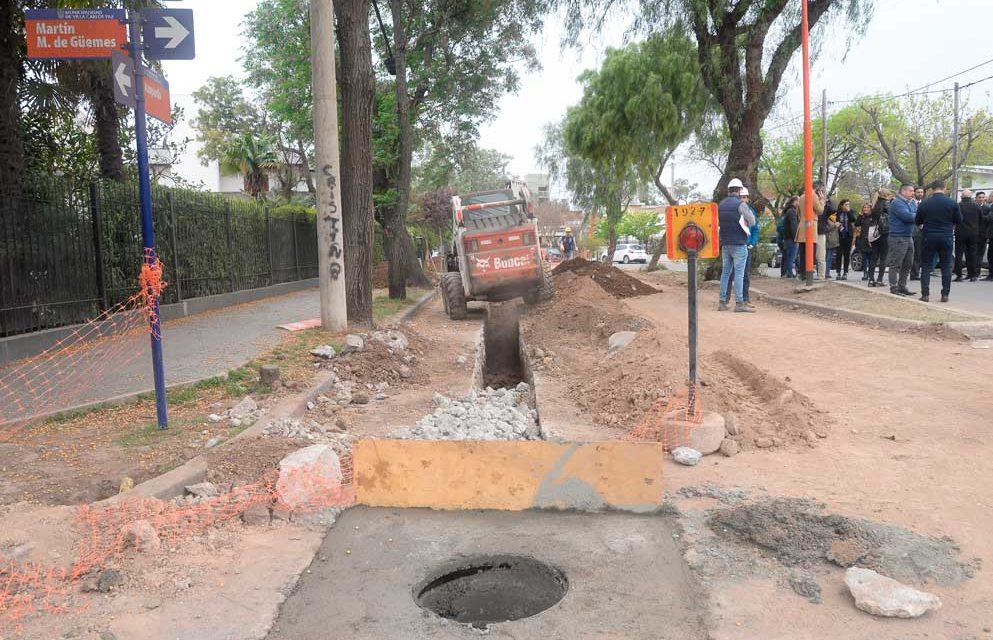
(580, 307)
(800, 534)
(248, 460)
(376, 364)
(611, 279)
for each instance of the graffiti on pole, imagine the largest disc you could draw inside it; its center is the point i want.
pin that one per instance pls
(332, 218)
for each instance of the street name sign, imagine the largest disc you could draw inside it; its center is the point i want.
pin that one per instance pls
(74, 33)
(168, 34)
(157, 99)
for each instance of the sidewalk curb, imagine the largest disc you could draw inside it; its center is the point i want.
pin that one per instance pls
(861, 317)
(409, 314)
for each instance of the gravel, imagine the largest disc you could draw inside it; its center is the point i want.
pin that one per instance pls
(493, 414)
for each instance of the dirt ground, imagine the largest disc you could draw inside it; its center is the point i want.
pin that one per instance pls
(910, 446)
(612, 280)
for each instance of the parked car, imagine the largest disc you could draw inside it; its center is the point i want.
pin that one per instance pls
(627, 253)
(770, 254)
(553, 254)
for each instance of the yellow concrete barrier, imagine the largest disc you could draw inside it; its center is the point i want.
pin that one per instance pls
(508, 475)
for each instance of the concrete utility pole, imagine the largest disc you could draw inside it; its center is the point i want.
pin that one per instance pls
(330, 241)
(955, 147)
(824, 139)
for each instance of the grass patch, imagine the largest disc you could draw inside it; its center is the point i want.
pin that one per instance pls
(383, 306)
(148, 435)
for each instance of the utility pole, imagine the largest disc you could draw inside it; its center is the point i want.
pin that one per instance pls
(330, 243)
(824, 139)
(808, 152)
(955, 147)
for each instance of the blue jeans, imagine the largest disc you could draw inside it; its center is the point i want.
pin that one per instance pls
(733, 259)
(867, 258)
(828, 261)
(941, 249)
(789, 258)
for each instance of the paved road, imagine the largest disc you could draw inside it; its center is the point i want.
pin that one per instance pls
(196, 347)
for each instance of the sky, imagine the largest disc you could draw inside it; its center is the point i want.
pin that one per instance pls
(908, 44)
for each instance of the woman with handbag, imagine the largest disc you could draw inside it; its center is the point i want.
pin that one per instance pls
(862, 244)
(881, 221)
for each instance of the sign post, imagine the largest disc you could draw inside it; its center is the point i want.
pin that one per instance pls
(107, 33)
(145, 198)
(690, 229)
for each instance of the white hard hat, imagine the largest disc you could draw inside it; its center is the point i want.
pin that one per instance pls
(735, 184)
(744, 191)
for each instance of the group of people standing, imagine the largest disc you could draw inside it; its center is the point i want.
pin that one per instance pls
(895, 231)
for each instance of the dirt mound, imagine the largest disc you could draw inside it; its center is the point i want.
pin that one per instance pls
(636, 387)
(580, 307)
(800, 534)
(611, 279)
(766, 406)
(248, 459)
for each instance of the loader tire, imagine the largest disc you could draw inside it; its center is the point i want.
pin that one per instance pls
(545, 291)
(453, 295)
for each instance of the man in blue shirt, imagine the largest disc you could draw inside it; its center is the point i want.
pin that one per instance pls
(940, 215)
(735, 220)
(900, 259)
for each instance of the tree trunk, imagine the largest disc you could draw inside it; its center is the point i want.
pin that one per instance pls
(11, 143)
(402, 254)
(106, 122)
(403, 266)
(743, 163)
(357, 92)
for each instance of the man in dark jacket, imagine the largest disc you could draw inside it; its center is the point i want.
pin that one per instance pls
(985, 236)
(915, 270)
(967, 237)
(735, 220)
(791, 222)
(940, 215)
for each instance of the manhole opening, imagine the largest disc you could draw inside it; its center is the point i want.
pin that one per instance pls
(502, 367)
(484, 590)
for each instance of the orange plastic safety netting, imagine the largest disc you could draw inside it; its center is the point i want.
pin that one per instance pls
(107, 531)
(68, 372)
(671, 420)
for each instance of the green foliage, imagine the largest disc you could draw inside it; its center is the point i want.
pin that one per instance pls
(253, 157)
(640, 225)
(470, 169)
(291, 209)
(645, 100)
(277, 60)
(223, 116)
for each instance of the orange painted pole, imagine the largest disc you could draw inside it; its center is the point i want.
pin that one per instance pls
(808, 151)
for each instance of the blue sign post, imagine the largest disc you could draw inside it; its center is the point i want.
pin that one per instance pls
(147, 228)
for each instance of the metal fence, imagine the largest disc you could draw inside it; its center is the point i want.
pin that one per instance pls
(69, 252)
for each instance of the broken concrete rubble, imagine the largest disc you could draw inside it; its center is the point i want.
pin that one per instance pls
(493, 414)
(882, 596)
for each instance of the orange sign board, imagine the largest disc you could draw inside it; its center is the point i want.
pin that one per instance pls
(703, 215)
(157, 101)
(74, 33)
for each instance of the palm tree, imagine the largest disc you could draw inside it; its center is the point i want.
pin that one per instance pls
(253, 158)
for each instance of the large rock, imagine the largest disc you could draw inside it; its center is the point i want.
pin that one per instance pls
(395, 341)
(707, 436)
(269, 373)
(309, 478)
(244, 409)
(686, 456)
(202, 490)
(324, 351)
(619, 340)
(352, 344)
(882, 596)
(141, 535)
(730, 447)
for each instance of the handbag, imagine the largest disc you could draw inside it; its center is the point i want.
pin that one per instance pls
(874, 233)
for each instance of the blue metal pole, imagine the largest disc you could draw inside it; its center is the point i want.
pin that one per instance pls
(145, 197)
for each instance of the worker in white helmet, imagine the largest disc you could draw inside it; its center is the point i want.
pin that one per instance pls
(736, 219)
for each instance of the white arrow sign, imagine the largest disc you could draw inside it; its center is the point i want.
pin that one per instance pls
(123, 78)
(175, 31)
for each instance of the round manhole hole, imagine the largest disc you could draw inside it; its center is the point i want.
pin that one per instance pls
(482, 590)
